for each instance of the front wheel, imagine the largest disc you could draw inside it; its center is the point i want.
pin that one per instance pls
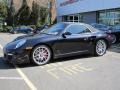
(100, 48)
(41, 55)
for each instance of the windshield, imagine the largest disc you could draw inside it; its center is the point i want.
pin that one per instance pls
(55, 29)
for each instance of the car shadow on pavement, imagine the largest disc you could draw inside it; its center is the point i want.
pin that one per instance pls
(59, 60)
(5, 65)
(72, 58)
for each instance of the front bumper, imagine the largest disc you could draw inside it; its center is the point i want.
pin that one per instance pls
(17, 56)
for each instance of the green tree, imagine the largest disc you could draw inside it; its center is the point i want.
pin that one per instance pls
(43, 15)
(34, 14)
(26, 16)
(3, 9)
(11, 14)
(20, 17)
(38, 14)
(3, 13)
(23, 15)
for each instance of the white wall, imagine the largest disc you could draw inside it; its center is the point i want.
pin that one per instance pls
(85, 6)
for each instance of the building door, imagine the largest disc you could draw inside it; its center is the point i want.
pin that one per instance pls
(73, 18)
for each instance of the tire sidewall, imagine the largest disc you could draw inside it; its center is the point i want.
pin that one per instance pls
(95, 52)
(35, 49)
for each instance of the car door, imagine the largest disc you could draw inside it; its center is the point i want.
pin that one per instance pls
(77, 42)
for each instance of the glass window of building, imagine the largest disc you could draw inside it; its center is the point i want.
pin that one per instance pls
(109, 17)
(73, 18)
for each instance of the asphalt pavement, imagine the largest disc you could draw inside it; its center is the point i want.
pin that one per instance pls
(83, 72)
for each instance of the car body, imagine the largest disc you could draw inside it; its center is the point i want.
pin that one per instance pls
(21, 29)
(61, 40)
(114, 31)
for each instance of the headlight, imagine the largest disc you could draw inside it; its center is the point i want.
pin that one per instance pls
(20, 43)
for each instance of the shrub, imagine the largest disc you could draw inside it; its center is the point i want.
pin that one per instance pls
(7, 28)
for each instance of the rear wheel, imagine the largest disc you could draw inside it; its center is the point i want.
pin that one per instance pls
(114, 38)
(41, 55)
(100, 47)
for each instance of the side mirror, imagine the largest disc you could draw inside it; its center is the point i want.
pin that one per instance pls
(66, 33)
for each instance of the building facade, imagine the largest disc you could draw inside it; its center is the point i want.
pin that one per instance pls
(89, 11)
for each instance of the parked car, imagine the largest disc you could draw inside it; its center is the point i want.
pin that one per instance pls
(21, 29)
(115, 31)
(61, 40)
(109, 30)
(39, 29)
(101, 27)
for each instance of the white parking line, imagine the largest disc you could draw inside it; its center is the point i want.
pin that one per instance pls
(11, 78)
(25, 78)
(52, 72)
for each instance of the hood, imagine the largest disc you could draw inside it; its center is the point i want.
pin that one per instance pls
(32, 36)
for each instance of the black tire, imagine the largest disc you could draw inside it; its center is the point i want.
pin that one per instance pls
(115, 39)
(100, 50)
(39, 59)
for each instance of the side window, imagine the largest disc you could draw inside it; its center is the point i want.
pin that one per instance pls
(77, 29)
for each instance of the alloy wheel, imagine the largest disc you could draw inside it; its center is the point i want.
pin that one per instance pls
(101, 47)
(41, 55)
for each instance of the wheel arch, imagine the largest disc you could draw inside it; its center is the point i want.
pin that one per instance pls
(107, 43)
(104, 40)
(45, 45)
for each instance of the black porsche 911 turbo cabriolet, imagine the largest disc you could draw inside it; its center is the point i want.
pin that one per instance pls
(61, 40)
